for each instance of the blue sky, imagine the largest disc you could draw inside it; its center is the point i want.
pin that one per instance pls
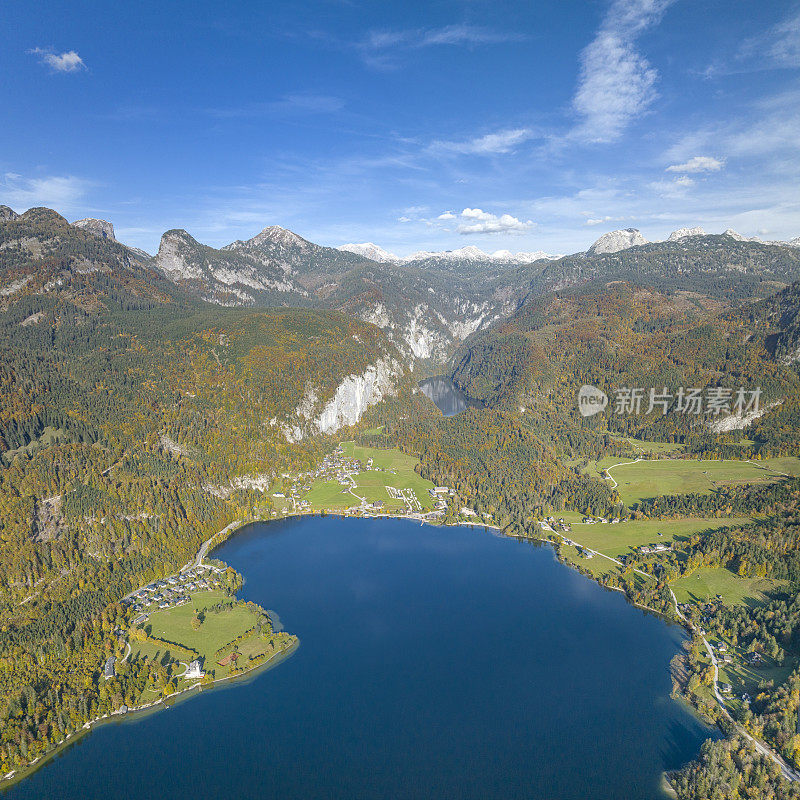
(416, 125)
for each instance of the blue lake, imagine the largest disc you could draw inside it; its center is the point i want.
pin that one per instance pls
(434, 663)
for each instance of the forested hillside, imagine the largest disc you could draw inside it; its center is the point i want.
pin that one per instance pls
(134, 423)
(146, 403)
(630, 336)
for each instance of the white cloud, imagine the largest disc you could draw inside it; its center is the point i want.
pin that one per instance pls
(766, 129)
(68, 61)
(785, 48)
(499, 142)
(61, 193)
(447, 215)
(675, 188)
(601, 220)
(476, 220)
(616, 82)
(698, 164)
(380, 48)
(290, 104)
(777, 47)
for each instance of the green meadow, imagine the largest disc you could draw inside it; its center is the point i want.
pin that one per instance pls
(623, 538)
(647, 479)
(390, 467)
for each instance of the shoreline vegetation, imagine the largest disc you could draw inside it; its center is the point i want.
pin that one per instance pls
(405, 509)
(288, 645)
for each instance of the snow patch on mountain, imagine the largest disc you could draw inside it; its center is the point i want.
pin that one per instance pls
(472, 253)
(522, 257)
(614, 241)
(369, 250)
(683, 233)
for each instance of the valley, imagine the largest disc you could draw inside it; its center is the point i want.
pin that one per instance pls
(150, 403)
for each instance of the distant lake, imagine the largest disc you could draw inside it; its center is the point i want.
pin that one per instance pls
(434, 663)
(447, 396)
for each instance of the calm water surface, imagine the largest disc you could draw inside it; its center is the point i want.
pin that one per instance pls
(434, 663)
(447, 396)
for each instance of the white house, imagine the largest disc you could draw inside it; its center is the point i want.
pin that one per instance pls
(194, 671)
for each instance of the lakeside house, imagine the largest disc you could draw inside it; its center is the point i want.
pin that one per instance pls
(108, 670)
(195, 671)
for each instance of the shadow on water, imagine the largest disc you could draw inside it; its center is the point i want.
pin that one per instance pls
(449, 399)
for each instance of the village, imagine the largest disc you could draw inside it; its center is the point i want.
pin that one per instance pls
(362, 482)
(173, 591)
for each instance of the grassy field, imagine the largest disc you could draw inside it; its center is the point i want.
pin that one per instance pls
(212, 640)
(391, 467)
(655, 448)
(329, 495)
(617, 540)
(646, 479)
(789, 465)
(175, 624)
(707, 582)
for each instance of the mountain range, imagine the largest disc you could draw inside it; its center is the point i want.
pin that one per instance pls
(427, 303)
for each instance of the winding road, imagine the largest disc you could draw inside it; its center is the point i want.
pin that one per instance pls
(788, 772)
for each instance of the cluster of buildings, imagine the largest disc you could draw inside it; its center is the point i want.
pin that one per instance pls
(440, 494)
(648, 549)
(338, 467)
(175, 590)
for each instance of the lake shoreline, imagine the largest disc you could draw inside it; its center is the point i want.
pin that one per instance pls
(137, 712)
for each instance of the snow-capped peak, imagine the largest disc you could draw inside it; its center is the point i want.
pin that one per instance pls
(737, 236)
(369, 250)
(522, 258)
(614, 241)
(468, 253)
(683, 233)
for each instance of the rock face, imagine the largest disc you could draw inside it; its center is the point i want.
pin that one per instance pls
(683, 233)
(7, 214)
(615, 241)
(174, 257)
(225, 277)
(354, 395)
(99, 227)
